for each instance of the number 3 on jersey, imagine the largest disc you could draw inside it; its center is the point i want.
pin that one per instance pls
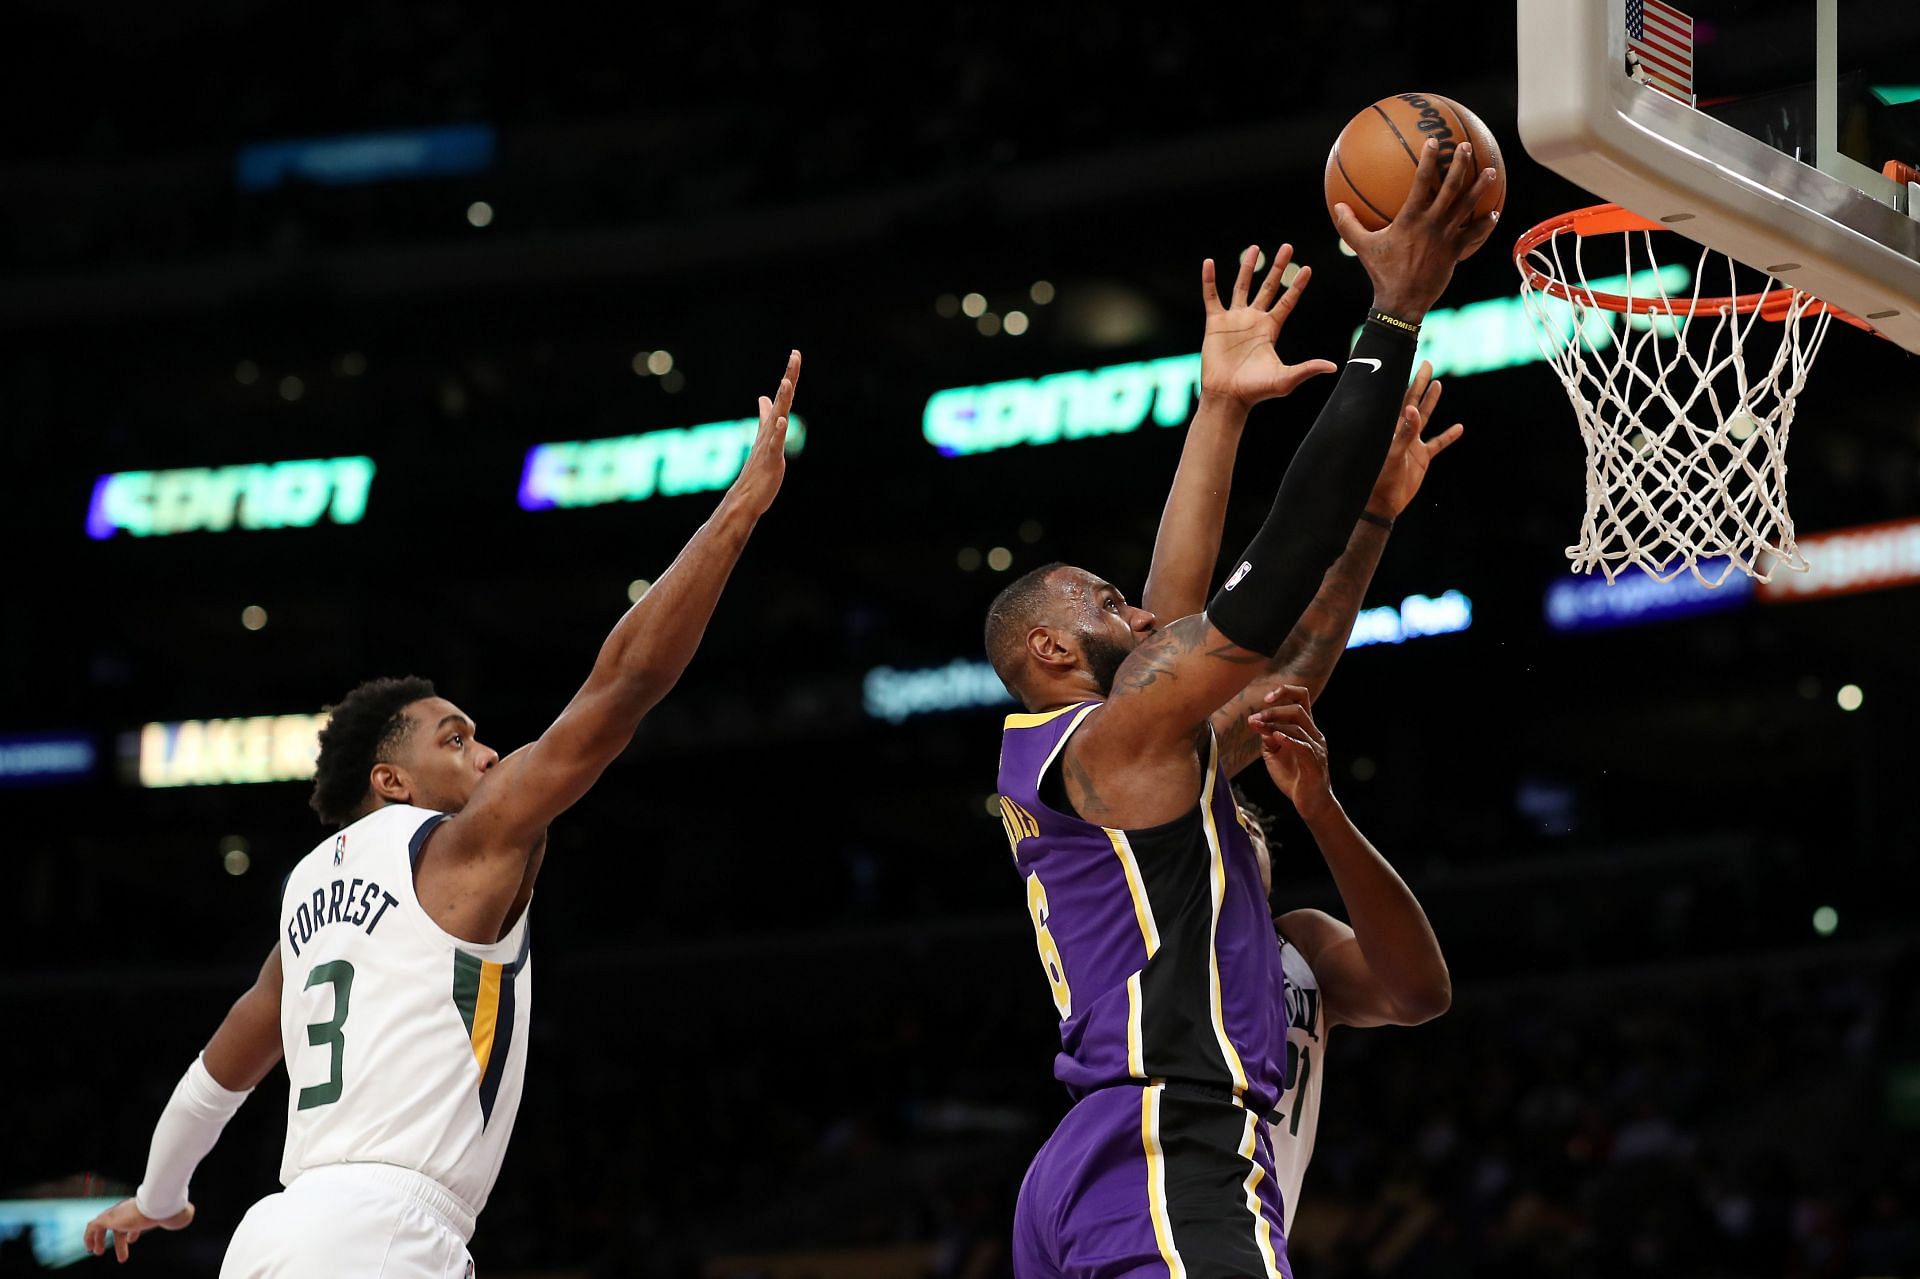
(339, 975)
(1049, 953)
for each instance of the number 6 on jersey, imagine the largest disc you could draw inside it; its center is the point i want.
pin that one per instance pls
(1049, 953)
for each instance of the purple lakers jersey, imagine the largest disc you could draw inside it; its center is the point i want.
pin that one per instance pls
(1157, 943)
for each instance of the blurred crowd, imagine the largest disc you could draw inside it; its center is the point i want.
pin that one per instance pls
(1702, 1118)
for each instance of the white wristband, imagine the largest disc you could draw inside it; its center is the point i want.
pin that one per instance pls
(188, 1127)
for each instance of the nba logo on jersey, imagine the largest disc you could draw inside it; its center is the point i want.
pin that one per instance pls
(339, 848)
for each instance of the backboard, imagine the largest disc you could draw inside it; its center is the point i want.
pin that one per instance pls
(1771, 130)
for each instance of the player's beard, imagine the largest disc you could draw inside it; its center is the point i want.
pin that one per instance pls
(1103, 659)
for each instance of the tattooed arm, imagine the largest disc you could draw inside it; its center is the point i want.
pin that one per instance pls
(1311, 650)
(1181, 665)
(1136, 762)
(1139, 747)
(1320, 637)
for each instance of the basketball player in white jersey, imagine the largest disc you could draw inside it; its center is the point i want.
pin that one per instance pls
(1386, 969)
(399, 991)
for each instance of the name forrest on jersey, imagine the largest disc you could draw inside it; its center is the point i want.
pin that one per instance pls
(361, 903)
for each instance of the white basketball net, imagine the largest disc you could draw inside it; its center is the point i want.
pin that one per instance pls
(1685, 415)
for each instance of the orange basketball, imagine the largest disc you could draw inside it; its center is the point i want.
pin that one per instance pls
(1371, 166)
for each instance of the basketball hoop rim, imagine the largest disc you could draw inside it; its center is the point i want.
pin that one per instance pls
(1602, 219)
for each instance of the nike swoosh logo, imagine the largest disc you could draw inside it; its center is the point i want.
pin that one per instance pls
(1367, 360)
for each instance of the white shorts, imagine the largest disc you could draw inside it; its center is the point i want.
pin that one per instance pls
(353, 1221)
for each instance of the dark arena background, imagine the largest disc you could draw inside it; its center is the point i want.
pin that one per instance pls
(790, 1017)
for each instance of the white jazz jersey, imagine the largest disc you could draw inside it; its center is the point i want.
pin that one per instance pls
(405, 1045)
(1297, 1114)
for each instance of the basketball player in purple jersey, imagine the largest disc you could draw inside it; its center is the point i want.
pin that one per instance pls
(1387, 968)
(407, 1036)
(1140, 882)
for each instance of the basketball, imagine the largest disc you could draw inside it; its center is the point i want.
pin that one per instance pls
(1371, 166)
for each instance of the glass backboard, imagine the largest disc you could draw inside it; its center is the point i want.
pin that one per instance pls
(1780, 132)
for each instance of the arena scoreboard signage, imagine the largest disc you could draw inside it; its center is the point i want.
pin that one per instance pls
(1416, 616)
(1121, 398)
(218, 752)
(962, 684)
(365, 157)
(51, 1229)
(632, 468)
(968, 683)
(218, 499)
(1591, 603)
(1871, 557)
(1062, 406)
(39, 759)
(1481, 337)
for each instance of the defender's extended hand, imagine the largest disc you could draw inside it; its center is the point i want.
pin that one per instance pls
(1294, 749)
(766, 464)
(1412, 258)
(1237, 359)
(1407, 461)
(126, 1223)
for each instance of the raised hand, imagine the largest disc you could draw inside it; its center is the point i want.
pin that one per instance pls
(1237, 359)
(1408, 459)
(1294, 749)
(1412, 258)
(766, 465)
(124, 1223)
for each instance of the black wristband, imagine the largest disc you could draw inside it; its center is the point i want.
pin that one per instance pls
(1381, 520)
(1392, 321)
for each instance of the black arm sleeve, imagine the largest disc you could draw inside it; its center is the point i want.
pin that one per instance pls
(1321, 495)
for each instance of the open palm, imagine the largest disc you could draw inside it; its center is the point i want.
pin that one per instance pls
(1237, 359)
(1407, 460)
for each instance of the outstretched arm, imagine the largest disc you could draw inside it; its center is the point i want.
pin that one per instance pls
(1320, 637)
(241, 1052)
(1140, 747)
(1387, 969)
(1238, 368)
(477, 860)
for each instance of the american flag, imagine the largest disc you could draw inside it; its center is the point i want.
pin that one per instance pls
(1660, 48)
